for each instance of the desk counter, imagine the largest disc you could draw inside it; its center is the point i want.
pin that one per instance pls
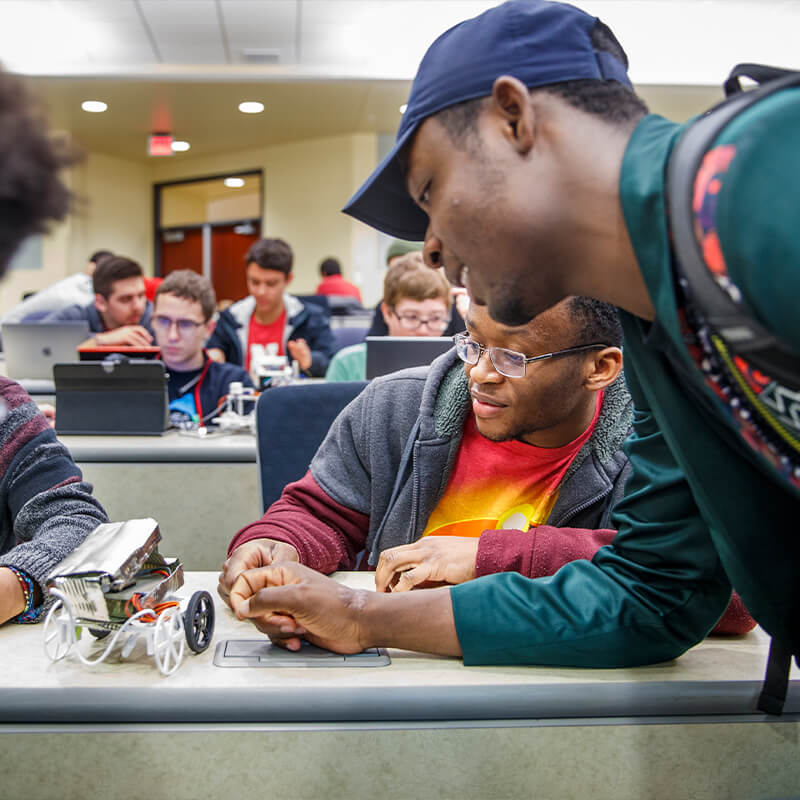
(172, 447)
(200, 490)
(423, 726)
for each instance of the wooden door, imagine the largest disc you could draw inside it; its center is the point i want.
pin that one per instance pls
(181, 250)
(229, 246)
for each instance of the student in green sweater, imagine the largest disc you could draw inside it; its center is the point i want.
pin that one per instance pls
(533, 171)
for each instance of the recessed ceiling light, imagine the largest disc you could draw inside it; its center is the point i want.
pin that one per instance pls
(251, 107)
(180, 146)
(94, 106)
(403, 108)
(234, 183)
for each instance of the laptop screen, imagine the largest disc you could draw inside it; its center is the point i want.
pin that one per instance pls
(390, 353)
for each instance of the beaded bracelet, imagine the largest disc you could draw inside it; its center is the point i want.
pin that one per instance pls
(29, 613)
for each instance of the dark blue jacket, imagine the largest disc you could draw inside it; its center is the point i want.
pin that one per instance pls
(303, 321)
(92, 315)
(213, 386)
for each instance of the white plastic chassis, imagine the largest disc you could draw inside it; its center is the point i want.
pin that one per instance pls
(165, 638)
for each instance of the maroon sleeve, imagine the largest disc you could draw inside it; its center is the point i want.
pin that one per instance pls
(327, 535)
(544, 550)
(539, 551)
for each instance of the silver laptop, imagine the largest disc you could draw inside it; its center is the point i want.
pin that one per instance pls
(31, 348)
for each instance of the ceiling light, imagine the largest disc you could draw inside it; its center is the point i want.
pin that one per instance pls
(252, 107)
(403, 108)
(180, 146)
(94, 106)
(234, 183)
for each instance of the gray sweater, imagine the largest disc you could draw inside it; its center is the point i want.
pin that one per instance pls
(415, 419)
(46, 509)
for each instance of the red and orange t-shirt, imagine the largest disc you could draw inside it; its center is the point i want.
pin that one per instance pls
(502, 485)
(265, 334)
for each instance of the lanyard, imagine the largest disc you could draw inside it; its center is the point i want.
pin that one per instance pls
(197, 383)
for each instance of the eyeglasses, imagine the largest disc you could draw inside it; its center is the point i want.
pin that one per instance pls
(184, 326)
(509, 362)
(411, 322)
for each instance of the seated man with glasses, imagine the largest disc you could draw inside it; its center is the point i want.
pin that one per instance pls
(182, 322)
(505, 455)
(416, 302)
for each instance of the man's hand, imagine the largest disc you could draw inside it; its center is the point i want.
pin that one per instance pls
(251, 555)
(130, 335)
(287, 601)
(300, 352)
(432, 560)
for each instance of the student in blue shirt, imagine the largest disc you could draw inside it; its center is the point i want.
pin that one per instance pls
(182, 322)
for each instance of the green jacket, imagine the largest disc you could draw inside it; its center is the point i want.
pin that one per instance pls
(699, 505)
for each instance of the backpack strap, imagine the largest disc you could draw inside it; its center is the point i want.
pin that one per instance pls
(776, 681)
(733, 321)
(729, 320)
(760, 73)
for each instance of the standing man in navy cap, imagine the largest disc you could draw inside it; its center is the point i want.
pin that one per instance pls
(533, 171)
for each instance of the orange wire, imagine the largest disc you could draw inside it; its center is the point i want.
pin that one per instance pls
(159, 608)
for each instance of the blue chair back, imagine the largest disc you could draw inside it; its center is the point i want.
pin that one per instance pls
(344, 337)
(291, 422)
(319, 300)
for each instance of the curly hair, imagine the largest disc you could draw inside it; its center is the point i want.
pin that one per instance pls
(597, 321)
(32, 192)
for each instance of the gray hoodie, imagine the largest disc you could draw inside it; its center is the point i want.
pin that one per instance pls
(415, 419)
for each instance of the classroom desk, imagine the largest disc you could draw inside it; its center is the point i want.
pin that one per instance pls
(201, 491)
(422, 727)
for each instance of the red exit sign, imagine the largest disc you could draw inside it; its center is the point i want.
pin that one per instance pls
(159, 144)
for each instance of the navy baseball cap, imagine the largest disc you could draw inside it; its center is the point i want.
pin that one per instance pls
(536, 41)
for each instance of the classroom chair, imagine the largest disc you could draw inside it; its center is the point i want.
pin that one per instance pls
(291, 422)
(344, 337)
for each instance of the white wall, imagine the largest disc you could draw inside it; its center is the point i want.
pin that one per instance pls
(112, 210)
(306, 184)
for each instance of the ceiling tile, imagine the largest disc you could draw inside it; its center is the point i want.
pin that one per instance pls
(185, 31)
(261, 26)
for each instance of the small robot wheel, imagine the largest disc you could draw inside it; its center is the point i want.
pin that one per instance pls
(198, 621)
(168, 644)
(99, 633)
(59, 629)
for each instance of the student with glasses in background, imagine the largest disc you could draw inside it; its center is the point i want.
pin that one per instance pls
(182, 322)
(505, 455)
(416, 302)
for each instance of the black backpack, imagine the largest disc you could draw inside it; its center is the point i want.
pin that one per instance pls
(727, 322)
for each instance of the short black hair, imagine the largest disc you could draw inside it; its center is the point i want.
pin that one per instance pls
(598, 321)
(32, 192)
(98, 255)
(330, 266)
(111, 270)
(610, 100)
(271, 254)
